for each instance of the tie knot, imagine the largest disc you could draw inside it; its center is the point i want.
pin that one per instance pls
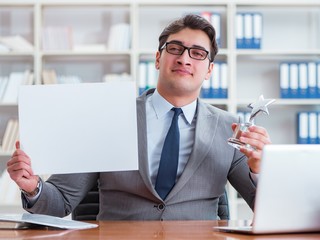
(177, 111)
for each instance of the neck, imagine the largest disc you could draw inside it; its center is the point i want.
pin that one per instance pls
(178, 100)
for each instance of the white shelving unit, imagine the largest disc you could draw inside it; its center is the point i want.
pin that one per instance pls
(291, 30)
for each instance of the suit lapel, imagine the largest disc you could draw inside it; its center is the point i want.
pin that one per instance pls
(142, 142)
(206, 127)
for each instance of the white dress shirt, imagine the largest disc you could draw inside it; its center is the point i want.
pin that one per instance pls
(159, 117)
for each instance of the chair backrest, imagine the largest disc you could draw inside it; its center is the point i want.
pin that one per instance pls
(223, 207)
(88, 208)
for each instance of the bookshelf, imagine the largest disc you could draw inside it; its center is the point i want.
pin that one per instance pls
(290, 32)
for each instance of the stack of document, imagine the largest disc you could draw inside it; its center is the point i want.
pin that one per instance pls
(27, 220)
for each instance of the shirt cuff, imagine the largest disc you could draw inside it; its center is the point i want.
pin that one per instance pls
(32, 200)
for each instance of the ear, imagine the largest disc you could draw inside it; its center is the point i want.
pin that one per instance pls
(157, 63)
(209, 71)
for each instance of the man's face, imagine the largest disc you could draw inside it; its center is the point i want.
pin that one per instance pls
(181, 75)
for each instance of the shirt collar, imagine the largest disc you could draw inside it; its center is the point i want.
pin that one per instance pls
(162, 107)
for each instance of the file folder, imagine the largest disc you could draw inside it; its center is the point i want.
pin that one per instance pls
(248, 30)
(240, 30)
(312, 81)
(303, 130)
(293, 76)
(313, 128)
(284, 80)
(257, 30)
(303, 81)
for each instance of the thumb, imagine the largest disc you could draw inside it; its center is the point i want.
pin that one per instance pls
(17, 144)
(233, 126)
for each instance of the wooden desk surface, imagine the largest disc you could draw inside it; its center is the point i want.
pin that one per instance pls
(141, 230)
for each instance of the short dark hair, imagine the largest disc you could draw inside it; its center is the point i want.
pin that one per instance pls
(191, 21)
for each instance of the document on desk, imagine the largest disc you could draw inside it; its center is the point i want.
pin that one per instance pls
(74, 128)
(27, 220)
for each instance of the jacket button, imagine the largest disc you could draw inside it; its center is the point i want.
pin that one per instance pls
(161, 207)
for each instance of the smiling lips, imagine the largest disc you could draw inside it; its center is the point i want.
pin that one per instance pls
(182, 71)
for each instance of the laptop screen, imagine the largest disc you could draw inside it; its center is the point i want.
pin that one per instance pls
(288, 193)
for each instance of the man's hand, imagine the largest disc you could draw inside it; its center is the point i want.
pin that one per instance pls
(20, 171)
(257, 137)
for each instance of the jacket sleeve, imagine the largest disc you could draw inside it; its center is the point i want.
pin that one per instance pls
(61, 193)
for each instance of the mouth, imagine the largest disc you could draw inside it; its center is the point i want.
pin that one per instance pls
(182, 71)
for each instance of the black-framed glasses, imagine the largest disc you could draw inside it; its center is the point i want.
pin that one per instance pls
(178, 49)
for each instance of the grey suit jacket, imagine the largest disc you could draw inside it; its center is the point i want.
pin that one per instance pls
(130, 194)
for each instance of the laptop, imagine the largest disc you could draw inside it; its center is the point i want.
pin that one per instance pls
(288, 191)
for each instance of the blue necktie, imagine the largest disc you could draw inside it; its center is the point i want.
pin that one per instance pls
(168, 166)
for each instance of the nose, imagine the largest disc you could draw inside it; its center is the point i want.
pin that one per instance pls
(184, 58)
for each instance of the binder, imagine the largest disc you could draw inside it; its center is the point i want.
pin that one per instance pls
(3, 86)
(152, 75)
(284, 80)
(303, 81)
(318, 130)
(257, 30)
(223, 80)
(10, 96)
(143, 77)
(313, 128)
(318, 80)
(216, 23)
(312, 81)
(205, 89)
(303, 128)
(240, 30)
(293, 80)
(215, 81)
(248, 30)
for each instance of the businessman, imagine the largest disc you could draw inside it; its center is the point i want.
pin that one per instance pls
(184, 159)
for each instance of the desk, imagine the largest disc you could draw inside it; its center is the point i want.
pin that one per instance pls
(146, 230)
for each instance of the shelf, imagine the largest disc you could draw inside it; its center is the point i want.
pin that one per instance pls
(84, 53)
(291, 30)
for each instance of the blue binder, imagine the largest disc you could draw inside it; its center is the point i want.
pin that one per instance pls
(223, 80)
(293, 80)
(284, 80)
(257, 30)
(302, 80)
(240, 30)
(142, 77)
(312, 80)
(313, 127)
(248, 30)
(303, 128)
(215, 81)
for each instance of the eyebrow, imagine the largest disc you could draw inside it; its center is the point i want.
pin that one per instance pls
(193, 46)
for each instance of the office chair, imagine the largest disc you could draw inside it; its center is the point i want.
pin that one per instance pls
(88, 208)
(223, 207)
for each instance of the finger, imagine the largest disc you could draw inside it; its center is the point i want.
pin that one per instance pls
(259, 130)
(19, 175)
(257, 137)
(258, 144)
(17, 144)
(19, 158)
(20, 166)
(19, 154)
(233, 126)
